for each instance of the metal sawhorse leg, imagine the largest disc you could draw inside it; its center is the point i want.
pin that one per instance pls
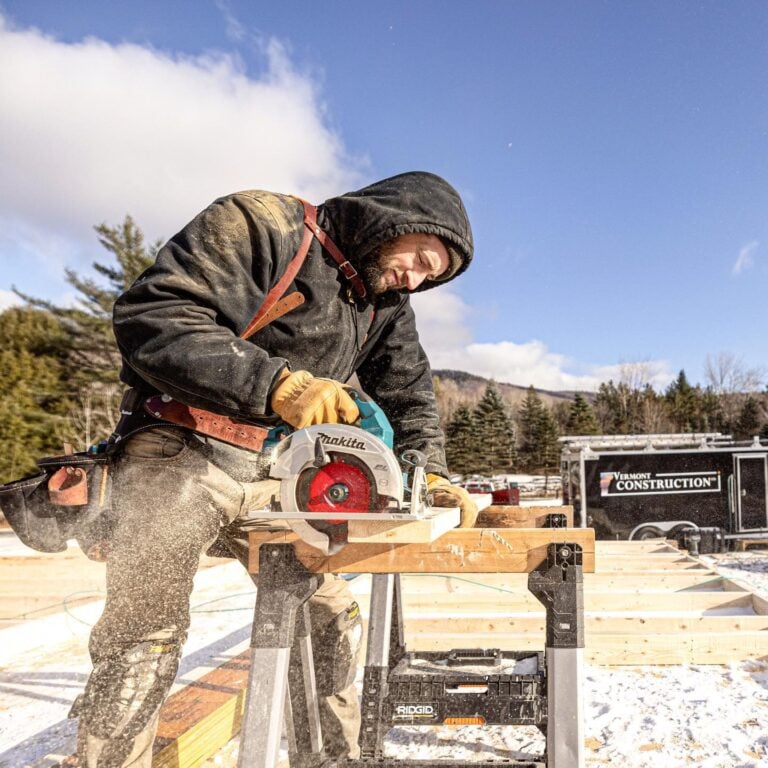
(281, 651)
(281, 632)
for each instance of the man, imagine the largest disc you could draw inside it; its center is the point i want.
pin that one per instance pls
(181, 329)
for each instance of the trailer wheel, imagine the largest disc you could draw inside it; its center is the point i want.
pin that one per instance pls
(649, 532)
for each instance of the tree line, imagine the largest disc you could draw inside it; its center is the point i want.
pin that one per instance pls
(494, 437)
(59, 385)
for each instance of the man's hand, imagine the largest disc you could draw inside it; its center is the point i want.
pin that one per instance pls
(443, 494)
(301, 400)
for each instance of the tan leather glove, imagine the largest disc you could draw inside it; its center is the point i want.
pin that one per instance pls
(443, 494)
(301, 400)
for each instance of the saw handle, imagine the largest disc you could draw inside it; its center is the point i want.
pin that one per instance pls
(372, 418)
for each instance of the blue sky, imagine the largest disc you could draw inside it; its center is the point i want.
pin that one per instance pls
(613, 155)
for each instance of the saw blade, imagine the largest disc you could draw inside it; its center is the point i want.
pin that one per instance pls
(343, 485)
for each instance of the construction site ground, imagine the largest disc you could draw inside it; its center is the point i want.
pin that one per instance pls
(676, 673)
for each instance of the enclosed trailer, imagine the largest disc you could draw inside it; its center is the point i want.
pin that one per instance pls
(644, 486)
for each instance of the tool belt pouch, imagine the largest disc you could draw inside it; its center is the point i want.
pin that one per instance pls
(69, 499)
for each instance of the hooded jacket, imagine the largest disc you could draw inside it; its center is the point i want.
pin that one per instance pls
(177, 326)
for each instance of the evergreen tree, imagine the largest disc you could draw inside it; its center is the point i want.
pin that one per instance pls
(683, 405)
(619, 409)
(749, 420)
(549, 446)
(531, 420)
(89, 342)
(34, 393)
(581, 418)
(85, 342)
(496, 434)
(460, 442)
(712, 417)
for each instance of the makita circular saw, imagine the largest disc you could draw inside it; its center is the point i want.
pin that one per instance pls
(332, 473)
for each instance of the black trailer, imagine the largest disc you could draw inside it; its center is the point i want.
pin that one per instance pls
(646, 486)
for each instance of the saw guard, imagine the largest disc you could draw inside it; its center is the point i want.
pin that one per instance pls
(345, 445)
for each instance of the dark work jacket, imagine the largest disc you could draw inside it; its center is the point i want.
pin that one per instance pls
(177, 326)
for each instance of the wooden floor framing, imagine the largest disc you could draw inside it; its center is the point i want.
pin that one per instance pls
(646, 603)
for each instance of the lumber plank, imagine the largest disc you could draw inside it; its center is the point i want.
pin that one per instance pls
(488, 603)
(470, 550)
(499, 627)
(511, 516)
(425, 530)
(629, 648)
(622, 547)
(664, 581)
(202, 717)
(619, 563)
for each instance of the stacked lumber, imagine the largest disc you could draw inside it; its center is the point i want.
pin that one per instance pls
(646, 603)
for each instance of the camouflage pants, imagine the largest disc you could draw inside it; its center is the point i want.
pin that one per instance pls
(174, 495)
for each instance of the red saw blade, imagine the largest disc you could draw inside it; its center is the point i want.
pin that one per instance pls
(343, 485)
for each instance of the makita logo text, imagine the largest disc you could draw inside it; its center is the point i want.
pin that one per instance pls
(415, 710)
(344, 442)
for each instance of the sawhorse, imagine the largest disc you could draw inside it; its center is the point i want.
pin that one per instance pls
(281, 649)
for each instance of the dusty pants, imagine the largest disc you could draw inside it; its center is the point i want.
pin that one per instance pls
(174, 495)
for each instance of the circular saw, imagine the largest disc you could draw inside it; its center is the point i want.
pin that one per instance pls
(332, 473)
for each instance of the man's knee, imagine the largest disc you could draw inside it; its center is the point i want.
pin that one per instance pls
(125, 691)
(336, 648)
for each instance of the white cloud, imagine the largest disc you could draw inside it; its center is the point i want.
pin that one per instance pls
(746, 258)
(92, 131)
(445, 336)
(8, 299)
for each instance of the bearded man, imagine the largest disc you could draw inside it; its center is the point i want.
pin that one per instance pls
(191, 344)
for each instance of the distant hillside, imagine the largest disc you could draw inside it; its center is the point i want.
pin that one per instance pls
(455, 388)
(472, 383)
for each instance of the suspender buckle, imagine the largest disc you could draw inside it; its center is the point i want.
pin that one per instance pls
(347, 270)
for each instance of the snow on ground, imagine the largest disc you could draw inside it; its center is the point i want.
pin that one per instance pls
(635, 717)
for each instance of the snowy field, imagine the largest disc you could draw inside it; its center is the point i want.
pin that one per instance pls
(638, 717)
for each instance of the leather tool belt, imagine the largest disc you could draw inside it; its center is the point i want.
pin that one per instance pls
(223, 428)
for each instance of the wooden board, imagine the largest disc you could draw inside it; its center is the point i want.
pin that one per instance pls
(629, 648)
(422, 531)
(467, 550)
(520, 517)
(201, 718)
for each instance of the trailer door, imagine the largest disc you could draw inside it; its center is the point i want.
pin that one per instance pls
(751, 492)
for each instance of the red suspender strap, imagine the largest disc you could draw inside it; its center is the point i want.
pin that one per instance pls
(346, 269)
(274, 305)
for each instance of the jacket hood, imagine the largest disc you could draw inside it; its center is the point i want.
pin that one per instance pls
(360, 221)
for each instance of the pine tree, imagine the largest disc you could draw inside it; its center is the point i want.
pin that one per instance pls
(749, 420)
(531, 421)
(86, 343)
(460, 442)
(496, 434)
(581, 418)
(549, 446)
(89, 341)
(712, 416)
(683, 405)
(619, 408)
(34, 396)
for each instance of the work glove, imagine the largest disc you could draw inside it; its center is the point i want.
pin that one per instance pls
(443, 494)
(301, 400)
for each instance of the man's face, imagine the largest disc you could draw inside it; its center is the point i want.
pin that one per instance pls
(405, 262)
